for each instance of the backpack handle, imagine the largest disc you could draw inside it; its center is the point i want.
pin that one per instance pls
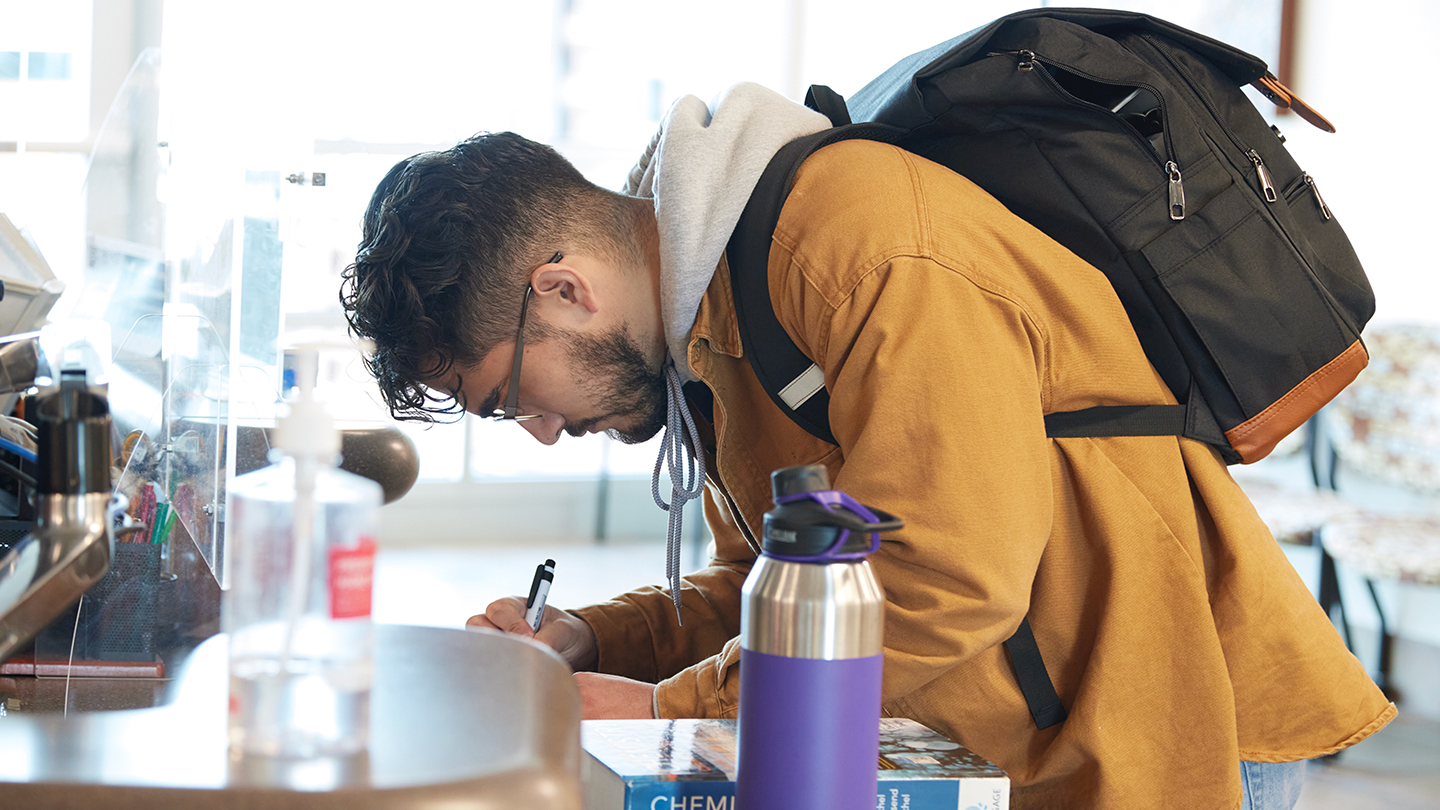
(822, 99)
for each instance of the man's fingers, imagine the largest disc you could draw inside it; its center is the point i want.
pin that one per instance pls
(563, 632)
(506, 615)
(480, 621)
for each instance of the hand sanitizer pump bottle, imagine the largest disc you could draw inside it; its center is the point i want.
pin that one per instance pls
(811, 616)
(302, 537)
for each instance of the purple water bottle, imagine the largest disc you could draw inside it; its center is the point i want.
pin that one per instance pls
(811, 619)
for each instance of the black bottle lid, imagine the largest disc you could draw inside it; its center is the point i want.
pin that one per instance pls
(797, 480)
(803, 528)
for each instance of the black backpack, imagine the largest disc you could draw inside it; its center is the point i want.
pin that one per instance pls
(1243, 289)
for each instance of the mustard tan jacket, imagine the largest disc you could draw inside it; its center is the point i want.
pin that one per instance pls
(1179, 637)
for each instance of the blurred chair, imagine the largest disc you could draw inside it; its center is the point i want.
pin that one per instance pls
(1386, 428)
(1294, 514)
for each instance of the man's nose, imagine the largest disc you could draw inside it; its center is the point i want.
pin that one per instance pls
(546, 429)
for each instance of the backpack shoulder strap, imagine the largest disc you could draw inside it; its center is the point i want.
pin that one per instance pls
(793, 381)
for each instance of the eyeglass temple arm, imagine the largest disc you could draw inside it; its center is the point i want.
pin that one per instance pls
(512, 395)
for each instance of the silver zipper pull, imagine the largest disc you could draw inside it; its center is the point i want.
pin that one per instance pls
(1177, 191)
(1320, 201)
(1264, 175)
(1027, 60)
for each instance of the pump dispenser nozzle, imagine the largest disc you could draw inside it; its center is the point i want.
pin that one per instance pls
(307, 429)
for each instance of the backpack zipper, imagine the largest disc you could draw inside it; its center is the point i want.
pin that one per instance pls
(1027, 60)
(1267, 187)
(1303, 185)
(1177, 191)
(1320, 201)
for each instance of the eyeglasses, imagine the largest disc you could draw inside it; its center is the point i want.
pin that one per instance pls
(512, 394)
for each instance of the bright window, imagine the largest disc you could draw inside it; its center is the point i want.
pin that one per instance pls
(44, 71)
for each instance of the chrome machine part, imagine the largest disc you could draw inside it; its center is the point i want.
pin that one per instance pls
(73, 540)
(20, 362)
(52, 566)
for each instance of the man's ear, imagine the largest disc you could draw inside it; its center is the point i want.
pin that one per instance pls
(566, 291)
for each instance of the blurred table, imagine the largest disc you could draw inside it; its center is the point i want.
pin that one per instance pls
(459, 719)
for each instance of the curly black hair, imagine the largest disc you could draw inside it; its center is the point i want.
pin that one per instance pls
(448, 241)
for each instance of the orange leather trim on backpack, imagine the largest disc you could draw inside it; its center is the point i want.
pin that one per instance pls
(1255, 438)
(1286, 99)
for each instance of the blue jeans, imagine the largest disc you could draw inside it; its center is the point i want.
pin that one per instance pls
(1270, 785)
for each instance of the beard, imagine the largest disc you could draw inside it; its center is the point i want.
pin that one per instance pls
(627, 387)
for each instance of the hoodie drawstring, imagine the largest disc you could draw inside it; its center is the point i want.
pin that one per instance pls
(679, 452)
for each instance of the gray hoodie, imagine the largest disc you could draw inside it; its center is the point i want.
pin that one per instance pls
(700, 169)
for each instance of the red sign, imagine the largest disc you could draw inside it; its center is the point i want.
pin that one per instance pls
(352, 571)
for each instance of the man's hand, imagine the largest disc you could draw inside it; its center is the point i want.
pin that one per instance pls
(563, 632)
(611, 697)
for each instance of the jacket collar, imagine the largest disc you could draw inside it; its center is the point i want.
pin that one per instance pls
(715, 322)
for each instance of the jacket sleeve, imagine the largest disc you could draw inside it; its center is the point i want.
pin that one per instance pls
(637, 633)
(937, 379)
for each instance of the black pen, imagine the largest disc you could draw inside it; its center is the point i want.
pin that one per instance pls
(539, 589)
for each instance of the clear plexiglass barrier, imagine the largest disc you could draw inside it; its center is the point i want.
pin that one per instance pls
(186, 263)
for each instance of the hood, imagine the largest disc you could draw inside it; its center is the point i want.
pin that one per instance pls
(700, 169)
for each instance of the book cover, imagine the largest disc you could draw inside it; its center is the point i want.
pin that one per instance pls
(690, 765)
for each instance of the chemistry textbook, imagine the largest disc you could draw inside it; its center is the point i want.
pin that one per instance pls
(690, 764)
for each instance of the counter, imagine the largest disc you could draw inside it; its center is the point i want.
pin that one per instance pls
(460, 719)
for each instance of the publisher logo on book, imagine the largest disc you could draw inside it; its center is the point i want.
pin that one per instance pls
(995, 802)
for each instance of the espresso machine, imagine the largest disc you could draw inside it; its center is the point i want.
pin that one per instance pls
(72, 541)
